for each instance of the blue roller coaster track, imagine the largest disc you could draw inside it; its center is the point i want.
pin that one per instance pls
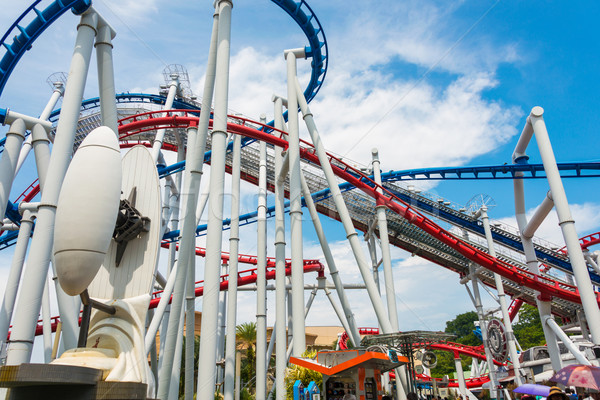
(24, 37)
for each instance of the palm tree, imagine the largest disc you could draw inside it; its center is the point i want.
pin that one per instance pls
(246, 338)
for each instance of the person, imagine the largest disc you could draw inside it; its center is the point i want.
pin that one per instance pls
(386, 397)
(349, 396)
(556, 394)
(587, 396)
(412, 396)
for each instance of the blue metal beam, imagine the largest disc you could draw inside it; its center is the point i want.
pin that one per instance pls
(506, 171)
(25, 36)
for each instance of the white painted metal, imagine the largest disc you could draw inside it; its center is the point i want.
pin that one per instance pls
(261, 270)
(567, 224)
(12, 116)
(14, 276)
(56, 94)
(365, 271)
(106, 76)
(295, 206)
(390, 292)
(160, 133)
(483, 325)
(462, 387)
(540, 214)
(8, 162)
(89, 196)
(190, 326)
(37, 266)
(46, 324)
(222, 318)
(333, 271)
(564, 338)
(206, 374)
(41, 149)
(281, 292)
(532, 265)
(512, 348)
(135, 274)
(185, 261)
(234, 239)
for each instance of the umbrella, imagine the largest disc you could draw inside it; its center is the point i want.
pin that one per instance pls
(533, 389)
(586, 376)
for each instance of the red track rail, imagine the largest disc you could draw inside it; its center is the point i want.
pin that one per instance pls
(548, 286)
(471, 351)
(514, 308)
(245, 277)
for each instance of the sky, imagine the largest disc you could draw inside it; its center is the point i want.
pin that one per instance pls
(428, 83)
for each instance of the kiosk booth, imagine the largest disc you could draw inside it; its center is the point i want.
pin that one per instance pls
(354, 372)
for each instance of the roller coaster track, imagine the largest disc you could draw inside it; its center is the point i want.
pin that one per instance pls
(444, 248)
(505, 171)
(300, 12)
(25, 36)
(138, 128)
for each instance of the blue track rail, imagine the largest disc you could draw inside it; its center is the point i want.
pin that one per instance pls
(506, 171)
(24, 37)
(310, 25)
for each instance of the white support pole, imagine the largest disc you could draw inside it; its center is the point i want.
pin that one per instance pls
(12, 116)
(567, 224)
(330, 261)
(336, 308)
(8, 162)
(222, 332)
(512, 348)
(462, 387)
(46, 324)
(186, 261)
(234, 239)
(390, 292)
(150, 337)
(160, 133)
(175, 371)
(484, 337)
(28, 307)
(564, 338)
(543, 303)
(56, 94)
(190, 324)
(540, 214)
(214, 232)
(370, 239)
(351, 234)
(261, 270)
(281, 292)
(14, 276)
(41, 149)
(106, 76)
(295, 205)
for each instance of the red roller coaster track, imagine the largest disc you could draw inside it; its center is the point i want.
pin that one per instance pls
(152, 120)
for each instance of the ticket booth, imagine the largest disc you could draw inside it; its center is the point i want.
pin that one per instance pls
(355, 372)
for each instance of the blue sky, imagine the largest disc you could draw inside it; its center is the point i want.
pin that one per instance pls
(430, 83)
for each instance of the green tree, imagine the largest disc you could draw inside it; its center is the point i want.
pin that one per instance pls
(306, 375)
(246, 338)
(462, 326)
(528, 329)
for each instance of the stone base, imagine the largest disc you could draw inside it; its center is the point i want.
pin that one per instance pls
(50, 381)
